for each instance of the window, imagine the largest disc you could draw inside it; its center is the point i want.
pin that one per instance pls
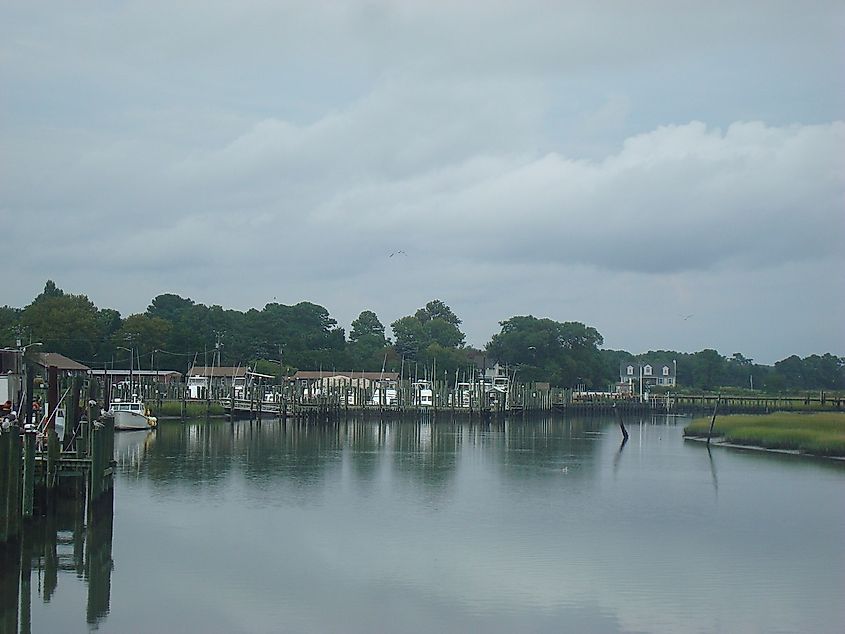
(665, 370)
(630, 369)
(647, 370)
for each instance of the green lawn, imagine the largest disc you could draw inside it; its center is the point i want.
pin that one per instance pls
(821, 434)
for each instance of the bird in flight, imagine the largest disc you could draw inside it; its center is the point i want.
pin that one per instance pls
(685, 317)
(397, 253)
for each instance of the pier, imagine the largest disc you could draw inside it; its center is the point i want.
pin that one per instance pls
(520, 399)
(36, 467)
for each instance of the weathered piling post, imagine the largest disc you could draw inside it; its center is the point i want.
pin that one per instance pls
(10, 562)
(29, 387)
(100, 477)
(7, 484)
(72, 412)
(713, 420)
(13, 478)
(54, 451)
(29, 471)
(52, 395)
(232, 402)
(621, 424)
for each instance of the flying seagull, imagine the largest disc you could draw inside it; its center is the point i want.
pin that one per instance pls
(397, 253)
(685, 317)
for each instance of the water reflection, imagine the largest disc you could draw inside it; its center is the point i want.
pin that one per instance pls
(526, 525)
(304, 454)
(61, 547)
(713, 471)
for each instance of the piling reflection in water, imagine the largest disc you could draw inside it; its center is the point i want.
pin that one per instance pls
(62, 544)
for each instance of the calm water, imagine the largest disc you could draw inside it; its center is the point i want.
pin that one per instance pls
(400, 527)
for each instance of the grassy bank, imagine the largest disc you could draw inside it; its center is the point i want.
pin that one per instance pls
(818, 434)
(192, 409)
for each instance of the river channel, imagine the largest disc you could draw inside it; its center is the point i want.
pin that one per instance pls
(525, 526)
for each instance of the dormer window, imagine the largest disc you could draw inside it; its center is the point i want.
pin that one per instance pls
(647, 370)
(665, 370)
(631, 370)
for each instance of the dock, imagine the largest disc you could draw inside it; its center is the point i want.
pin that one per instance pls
(36, 467)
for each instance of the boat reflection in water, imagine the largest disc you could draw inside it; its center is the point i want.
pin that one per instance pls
(131, 449)
(63, 545)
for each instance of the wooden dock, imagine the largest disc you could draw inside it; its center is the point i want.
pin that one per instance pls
(35, 467)
(523, 400)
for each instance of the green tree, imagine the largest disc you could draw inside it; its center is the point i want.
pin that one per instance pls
(64, 323)
(9, 325)
(545, 350)
(143, 333)
(435, 323)
(437, 309)
(708, 369)
(367, 324)
(367, 347)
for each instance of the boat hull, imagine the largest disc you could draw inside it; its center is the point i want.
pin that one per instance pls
(132, 421)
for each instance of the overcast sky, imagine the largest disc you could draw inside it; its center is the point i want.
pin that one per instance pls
(670, 173)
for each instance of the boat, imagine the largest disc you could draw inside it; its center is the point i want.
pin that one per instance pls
(131, 415)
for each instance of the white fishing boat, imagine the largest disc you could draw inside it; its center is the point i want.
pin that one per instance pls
(422, 394)
(131, 415)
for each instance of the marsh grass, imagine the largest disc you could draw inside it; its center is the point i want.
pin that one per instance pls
(820, 434)
(192, 410)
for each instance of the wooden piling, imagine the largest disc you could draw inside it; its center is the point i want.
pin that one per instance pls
(28, 472)
(5, 484)
(713, 420)
(621, 424)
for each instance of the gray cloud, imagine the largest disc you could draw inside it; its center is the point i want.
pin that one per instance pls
(523, 156)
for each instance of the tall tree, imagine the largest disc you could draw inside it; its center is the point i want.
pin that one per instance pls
(367, 324)
(143, 333)
(64, 323)
(435, 323)
(546, 350)
(367, 344)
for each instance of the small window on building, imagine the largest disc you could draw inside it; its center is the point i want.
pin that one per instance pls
(631, 369)
(665, 370)
(647, 370)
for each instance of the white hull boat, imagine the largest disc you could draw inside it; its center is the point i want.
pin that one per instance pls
(131, 415)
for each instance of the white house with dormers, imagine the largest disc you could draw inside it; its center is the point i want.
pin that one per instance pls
(636, 376)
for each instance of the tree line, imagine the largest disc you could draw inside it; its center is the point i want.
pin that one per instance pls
(175, 333)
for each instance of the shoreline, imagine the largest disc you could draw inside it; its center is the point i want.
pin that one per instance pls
(717, 441)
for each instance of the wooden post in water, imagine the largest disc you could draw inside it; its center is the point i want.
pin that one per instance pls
(72, 411)
(28, 472)
(6, 449)
(232, 402)
(621, 423)
(713, 420)
(52, 394)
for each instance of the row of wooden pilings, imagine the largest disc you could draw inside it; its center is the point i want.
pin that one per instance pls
(349, 398)
(35, 466)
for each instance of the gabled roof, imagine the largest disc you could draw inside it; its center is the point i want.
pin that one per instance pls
(125, 372)
(304, 375)
(60, 361)
(213, 371)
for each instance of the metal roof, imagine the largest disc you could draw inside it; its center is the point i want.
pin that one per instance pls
(60, 361)
(200, 370)
(325, 374)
